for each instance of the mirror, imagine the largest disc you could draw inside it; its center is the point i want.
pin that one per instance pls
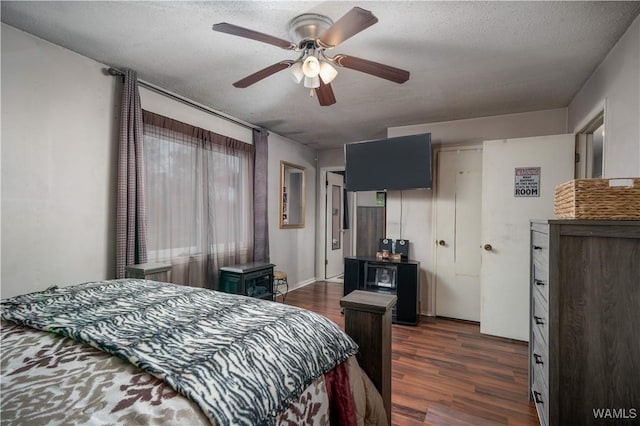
(292, 195)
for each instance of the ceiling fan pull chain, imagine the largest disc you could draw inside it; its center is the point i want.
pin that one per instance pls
(311, 93)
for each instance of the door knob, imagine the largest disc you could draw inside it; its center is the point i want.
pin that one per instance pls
(442, 243)
(488, 247)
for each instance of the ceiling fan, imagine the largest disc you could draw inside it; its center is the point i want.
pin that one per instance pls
(313, 35)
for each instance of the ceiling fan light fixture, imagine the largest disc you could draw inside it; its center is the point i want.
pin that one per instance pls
(311, 35)
(311, 66)
(312, 82)
(296, 72)
(327, 72)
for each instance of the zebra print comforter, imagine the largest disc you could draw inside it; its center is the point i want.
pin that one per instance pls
(241, 360)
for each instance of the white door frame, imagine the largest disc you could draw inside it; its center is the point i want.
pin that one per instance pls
(334, 262)
(584, 148)
(320, 220)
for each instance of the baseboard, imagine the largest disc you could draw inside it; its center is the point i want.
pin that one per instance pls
(458, 320)
(301, 284)
(491, 336)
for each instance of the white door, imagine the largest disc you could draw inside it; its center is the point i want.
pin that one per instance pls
(334, 244)
(458, 202)
(505, 222)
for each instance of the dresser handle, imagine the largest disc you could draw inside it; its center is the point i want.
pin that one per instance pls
(539, 320)
(538, 282)
(538, 359)
(537, 248)
(537, 397)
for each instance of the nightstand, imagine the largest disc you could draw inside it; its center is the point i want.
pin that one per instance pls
(150, 271)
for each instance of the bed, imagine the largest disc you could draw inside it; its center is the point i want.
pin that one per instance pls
(144, 352)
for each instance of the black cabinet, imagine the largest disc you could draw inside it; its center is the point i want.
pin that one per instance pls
(249, 279)
(387, 277)
(353, 270)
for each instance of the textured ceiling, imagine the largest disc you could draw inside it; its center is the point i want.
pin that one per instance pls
(467, 59)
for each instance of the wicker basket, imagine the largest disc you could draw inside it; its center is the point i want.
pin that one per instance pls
(617, 199)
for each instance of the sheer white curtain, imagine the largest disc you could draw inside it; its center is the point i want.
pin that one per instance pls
(199, 199)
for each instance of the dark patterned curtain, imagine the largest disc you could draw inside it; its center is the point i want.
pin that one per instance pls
(131, 216)
(260, 211)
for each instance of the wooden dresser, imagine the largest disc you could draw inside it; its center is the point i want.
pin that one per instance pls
(584, 342)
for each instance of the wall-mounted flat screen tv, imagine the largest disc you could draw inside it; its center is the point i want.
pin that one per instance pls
(390, 164)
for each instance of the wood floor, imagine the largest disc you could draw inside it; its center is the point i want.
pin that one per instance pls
(444, 371)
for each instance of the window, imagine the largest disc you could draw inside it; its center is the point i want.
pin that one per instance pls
(199, 195)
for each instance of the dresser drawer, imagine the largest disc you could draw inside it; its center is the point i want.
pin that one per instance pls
(540, 357)
(540, 315)
(540, 396)
(540, 284)
(540, 250)
(540, 262)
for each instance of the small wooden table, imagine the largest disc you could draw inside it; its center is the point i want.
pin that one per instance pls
(367, 319)
(150, 271)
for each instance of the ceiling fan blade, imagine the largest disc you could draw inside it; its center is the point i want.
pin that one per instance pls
(263, 73)
(224, 27)
(374, 68)
(356, 20)
(325, 94)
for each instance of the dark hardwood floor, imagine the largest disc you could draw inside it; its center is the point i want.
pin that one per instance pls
(444, 371)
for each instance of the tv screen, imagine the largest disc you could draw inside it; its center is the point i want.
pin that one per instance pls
(390, 164)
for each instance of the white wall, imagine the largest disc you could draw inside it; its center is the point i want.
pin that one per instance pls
(292, 250)
(59, 134)
(476, 130)
(60, 116)
(160, 104)
(615, 86)
(331, 157)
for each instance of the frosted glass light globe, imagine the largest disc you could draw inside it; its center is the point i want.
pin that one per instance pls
(327, 72)
(312, 82)
(311, 66)
(296, 72)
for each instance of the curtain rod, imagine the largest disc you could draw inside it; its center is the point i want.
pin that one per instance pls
(117, 73)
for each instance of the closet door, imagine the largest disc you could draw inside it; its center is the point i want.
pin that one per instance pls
(457, 233)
